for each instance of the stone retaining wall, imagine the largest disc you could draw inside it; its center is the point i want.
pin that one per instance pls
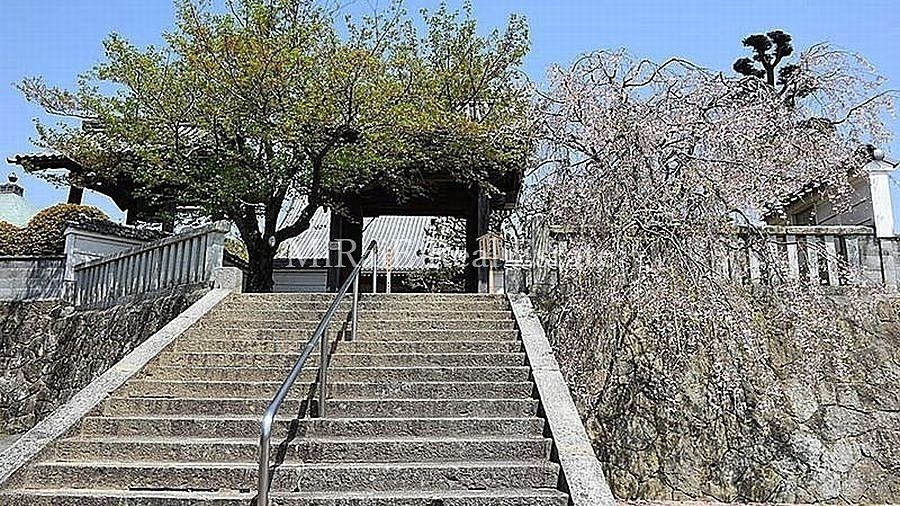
(48, 351)
(729, 427)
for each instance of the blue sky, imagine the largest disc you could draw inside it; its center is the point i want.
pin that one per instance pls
(58, 39)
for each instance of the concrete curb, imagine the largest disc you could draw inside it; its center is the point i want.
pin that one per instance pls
(581, 470)
(70, 413)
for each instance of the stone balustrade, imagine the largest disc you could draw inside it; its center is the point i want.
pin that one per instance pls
(823, 255)
(188, 258)
(834, 256)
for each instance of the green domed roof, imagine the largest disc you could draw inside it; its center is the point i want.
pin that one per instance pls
(14, 208)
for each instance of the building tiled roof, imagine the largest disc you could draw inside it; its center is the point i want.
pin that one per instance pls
(107, 227)
(403, 235)
(39, 156)
(50, 159)
(810, 188)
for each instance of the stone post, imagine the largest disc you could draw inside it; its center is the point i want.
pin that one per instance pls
(492, 260)
(228, 278)
(890, 263)
(215, 247)
(879, 172)
(497, 279)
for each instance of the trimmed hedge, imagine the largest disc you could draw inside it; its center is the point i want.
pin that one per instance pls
(9, 235)
(43, 235)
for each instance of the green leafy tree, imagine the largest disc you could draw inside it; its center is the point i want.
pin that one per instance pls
(268, 104)
(44, 232)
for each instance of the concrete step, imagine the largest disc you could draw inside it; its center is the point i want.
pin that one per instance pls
(363, 335)
(235, 427)
(337, 408)
(251, 345)
(413, 390)
(431, 404)
(307, 450)
(431, 408)
(365, 304)
(367, 297)
(354, 476)
(340, 359)
(434, 297)
(192, 426)
(339, 374)
(364, 314)
(366, 325)
(424, 497)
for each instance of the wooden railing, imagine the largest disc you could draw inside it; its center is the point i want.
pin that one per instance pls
(184, 259)
(822, 255)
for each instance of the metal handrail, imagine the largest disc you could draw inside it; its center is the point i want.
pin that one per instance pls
(318, 338)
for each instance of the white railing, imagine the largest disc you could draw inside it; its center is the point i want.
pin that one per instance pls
(822, 255)
(184, 259)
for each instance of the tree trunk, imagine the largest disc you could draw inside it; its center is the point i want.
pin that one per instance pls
(260, 253)
(770, 75)
(260, 268)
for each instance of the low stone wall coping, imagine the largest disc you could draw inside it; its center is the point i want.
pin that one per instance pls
(70, 413)
(581, 470)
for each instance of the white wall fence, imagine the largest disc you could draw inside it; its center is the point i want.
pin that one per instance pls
(188, 258)
(32, 278)
(86, 245)
(821, 255)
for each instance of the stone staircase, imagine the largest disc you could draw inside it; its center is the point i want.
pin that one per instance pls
(433, 404)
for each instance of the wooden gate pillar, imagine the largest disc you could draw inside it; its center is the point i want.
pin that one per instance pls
(477, 221)
(345, 245)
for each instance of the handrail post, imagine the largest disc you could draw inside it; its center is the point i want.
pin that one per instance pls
(354, 316)
(265, 434)
(323, 375)
(375, 270)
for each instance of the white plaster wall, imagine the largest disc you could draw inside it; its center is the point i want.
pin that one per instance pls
(83, 246)
(31, 278)
(300, 280)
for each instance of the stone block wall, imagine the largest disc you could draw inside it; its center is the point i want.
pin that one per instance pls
(49, 351)
(730, 427)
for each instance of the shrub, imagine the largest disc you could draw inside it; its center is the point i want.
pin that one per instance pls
(44, 233)
(10, 238)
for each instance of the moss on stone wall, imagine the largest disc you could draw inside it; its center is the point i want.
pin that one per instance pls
(48, 351)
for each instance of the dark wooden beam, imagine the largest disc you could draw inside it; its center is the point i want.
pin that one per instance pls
(477, 223)
(345, 244)
(76, 195)
(439, 197)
